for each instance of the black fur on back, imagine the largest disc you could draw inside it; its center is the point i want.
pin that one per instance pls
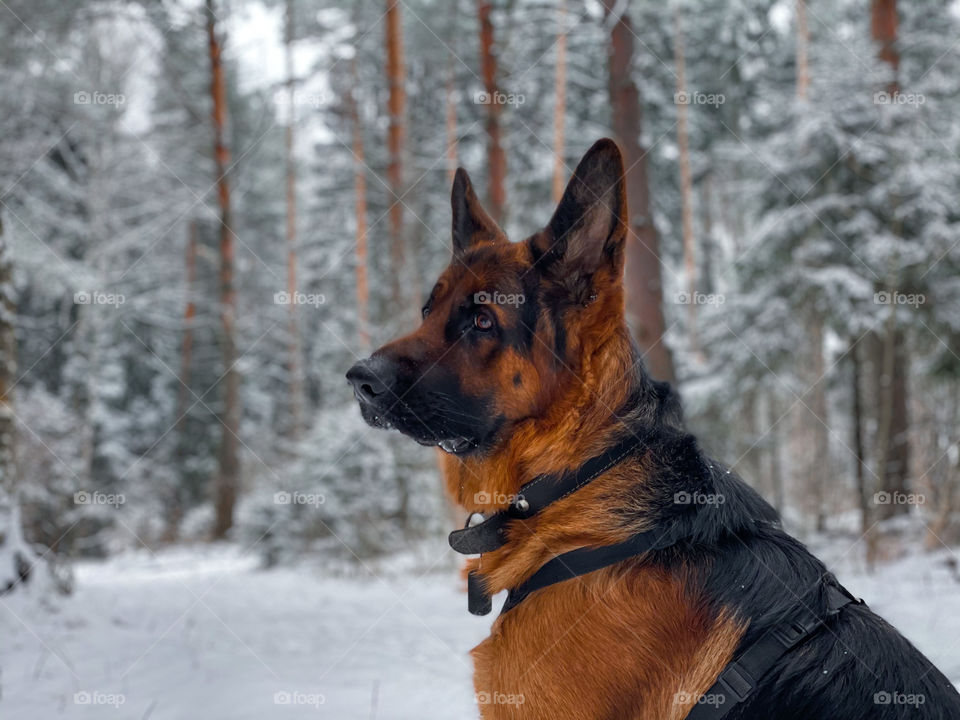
(738, 560)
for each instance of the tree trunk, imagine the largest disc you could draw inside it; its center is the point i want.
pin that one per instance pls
(642, 278)
(294, 365)
(883, 29)
(863, 489)
(16, 554)
(803, 43)
(892, 447)
(776, 466)
(819, 469)
(893, 442)
(396, 137)
(451, 95)
(496, 159)
(686, 185)
(451, 126)
(173, 502)
(189, 317)
(560, 105)
(360, 205)
(228, 473)
(707, 244)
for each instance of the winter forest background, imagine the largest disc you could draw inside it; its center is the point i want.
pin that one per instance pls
(210, 210)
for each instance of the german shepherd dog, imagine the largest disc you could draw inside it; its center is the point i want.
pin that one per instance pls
(524, 367)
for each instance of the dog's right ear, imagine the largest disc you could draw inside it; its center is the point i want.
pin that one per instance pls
(588, 230)
(471, 224)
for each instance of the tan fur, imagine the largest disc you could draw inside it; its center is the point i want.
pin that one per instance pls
(606, 645)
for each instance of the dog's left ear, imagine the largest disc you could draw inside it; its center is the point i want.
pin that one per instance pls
(588, 230)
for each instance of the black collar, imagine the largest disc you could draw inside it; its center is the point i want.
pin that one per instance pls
(537, 495)
(533, 497)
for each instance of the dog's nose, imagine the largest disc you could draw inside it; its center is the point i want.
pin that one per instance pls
(372, 379)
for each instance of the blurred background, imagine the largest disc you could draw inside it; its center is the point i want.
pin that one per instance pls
(210, 210)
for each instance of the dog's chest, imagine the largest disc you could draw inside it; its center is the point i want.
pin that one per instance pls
(602, 646)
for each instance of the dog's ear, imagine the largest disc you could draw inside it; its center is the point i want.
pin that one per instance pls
(471, 224)
(588, 230)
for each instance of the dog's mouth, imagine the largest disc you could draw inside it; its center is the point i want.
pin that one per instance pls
(436, 416)
(453, 444)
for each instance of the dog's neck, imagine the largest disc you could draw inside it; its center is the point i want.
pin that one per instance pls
(582, 421)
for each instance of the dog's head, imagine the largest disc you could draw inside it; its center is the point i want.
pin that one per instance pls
(506, 323)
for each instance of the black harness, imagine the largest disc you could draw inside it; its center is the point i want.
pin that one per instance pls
(739, 678)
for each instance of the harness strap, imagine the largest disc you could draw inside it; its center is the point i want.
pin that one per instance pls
(586, 560)
(537, 495)
(740, 677)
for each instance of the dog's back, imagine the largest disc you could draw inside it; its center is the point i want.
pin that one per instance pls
(856, 666)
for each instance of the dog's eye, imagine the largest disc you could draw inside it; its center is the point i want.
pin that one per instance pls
(425, 311)
(483, 321)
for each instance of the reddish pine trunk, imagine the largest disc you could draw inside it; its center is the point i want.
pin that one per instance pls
(451, 126)
(228, 473)
(560, 106)
(803, 42)
(686, 186)
(496, 159)
(642, 277)
(396, 137)
(883, 29)
(293, 365)
(360, 200)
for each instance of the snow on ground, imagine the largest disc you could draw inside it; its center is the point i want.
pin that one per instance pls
(203, 633)
(206, 634)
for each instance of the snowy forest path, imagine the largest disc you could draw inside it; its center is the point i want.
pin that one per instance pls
(205, 633)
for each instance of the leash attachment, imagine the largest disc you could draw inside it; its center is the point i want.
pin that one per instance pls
(478, 600)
